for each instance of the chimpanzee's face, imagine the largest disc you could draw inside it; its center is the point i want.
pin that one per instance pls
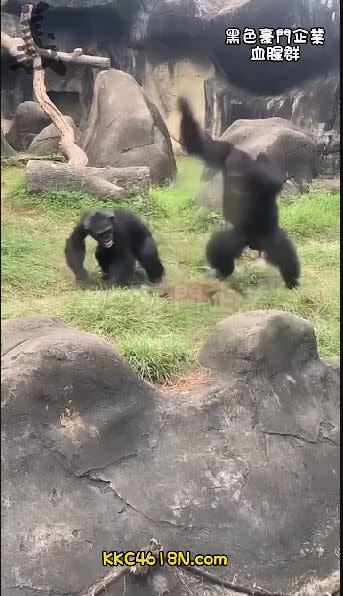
(101, 229)
(105, 237)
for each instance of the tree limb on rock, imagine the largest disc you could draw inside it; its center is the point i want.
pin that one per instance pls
(111, 183)
(330, 586)
(74, 154)
(153, 548)
(15, 47)
(83, 59)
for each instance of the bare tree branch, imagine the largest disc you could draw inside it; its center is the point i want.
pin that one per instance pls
(15, 47)
(75, 155)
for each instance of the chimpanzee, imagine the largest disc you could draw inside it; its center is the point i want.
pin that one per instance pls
(123, 239)
(249, 203)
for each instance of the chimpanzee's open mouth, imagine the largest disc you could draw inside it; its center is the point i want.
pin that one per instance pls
(108, 244)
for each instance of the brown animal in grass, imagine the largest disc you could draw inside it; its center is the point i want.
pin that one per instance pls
(198, 291)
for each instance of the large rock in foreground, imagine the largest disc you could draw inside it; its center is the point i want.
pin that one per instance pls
(125, 129)
(278, 138)
(94, 459)
(265, 341)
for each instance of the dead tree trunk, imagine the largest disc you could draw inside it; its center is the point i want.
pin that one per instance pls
(75, 155)
(111, 183)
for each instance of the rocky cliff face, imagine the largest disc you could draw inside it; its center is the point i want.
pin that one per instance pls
(175, 47)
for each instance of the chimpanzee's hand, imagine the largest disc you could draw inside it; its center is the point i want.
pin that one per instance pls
(83, 280)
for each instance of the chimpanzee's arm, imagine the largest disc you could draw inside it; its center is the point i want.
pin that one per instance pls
(75, 250)
(148, 257)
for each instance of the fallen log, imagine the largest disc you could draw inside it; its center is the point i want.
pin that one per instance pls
(111, 183)
(23, 158)
(132, 178)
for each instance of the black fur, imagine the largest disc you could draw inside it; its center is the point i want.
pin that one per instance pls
(250, 194)
(131, 242)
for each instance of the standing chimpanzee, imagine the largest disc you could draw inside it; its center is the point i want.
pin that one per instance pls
(122, 240)
(249, 203)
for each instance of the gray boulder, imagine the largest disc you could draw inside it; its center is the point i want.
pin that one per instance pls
(266, 340)
(278, 138)
(6, 149)
(95, 459)
(123, 129)
(29, 120)
(313, 107)
(47, 140)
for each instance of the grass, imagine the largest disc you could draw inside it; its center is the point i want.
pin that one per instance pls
(158, 337)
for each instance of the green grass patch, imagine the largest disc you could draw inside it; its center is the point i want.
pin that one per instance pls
(314, 216)
(161, 338)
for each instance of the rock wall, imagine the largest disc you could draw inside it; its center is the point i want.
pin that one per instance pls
(173, 47)
(314, 108)
(165, 82)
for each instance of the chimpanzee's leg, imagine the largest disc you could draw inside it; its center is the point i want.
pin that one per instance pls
(282, 254)
(223, 249)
